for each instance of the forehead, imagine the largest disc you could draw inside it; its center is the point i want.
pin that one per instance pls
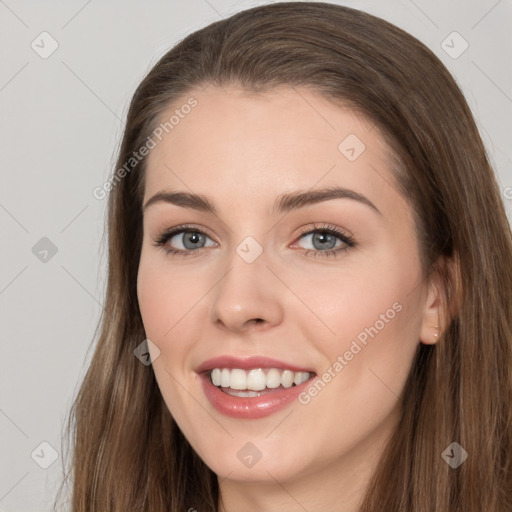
(267, 143)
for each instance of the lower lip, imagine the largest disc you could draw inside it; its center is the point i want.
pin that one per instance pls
(250, 407)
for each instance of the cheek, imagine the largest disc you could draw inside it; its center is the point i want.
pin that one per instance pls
(354, 301)
(165, 302)
(173, 315)
(153, 301)
(164, 297)
(374, 317)
(367, 361)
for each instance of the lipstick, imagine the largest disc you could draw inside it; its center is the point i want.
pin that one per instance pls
(254, 407)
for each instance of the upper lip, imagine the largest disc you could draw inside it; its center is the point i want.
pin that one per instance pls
(248, 363)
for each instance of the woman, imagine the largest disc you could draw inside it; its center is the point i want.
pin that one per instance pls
(307, 241)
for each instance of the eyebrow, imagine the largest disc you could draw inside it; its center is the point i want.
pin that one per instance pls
(284, 203)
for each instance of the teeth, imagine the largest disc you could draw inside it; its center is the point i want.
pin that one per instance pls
(238, 379)
(257, 379)
(297, 378)
(287, 378)
(224, 378)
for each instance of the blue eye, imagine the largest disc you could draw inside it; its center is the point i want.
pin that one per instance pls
(322, 240)
(189, 238)
(326, 241)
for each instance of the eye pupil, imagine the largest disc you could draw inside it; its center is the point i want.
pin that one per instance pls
(324, 238)
(192, 238)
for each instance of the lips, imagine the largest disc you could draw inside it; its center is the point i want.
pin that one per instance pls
(250, 407)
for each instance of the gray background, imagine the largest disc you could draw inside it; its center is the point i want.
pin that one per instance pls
(60, 126)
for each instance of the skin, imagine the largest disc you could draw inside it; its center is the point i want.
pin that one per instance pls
(242, 151)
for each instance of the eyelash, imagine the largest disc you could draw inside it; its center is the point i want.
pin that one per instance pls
(324, 228)
(330, 230)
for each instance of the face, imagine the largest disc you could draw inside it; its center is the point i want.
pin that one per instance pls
(267, 270)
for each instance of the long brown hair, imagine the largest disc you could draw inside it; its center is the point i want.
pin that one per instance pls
(129, 455)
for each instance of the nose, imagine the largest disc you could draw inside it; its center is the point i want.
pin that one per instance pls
(248, 296)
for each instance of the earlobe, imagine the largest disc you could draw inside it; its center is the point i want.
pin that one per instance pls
(430, 334)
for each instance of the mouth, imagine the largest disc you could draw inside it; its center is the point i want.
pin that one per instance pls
(254, 387)
(255, 382)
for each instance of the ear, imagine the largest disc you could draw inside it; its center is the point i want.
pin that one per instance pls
(443, 285)
(430, 328)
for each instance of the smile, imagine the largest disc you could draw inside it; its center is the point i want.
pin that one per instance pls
(248, 383)
(252, 387)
